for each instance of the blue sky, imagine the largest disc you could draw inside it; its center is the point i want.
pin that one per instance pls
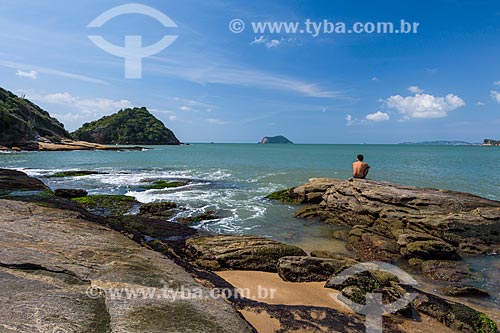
(210, 84)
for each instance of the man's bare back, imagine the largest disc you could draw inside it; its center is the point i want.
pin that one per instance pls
(359, 168)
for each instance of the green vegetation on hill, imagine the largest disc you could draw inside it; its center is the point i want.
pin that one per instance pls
(129, 126)
(491, 142)
(22, 121)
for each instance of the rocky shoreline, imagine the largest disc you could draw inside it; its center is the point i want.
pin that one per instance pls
(55, 249)
(63, 145)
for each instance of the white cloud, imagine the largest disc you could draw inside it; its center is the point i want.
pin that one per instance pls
(260, 40)
(495, 95)
(350, 120)
(415, 90)
(273, 43)
(480, 103)
(375, 78)
(217, 121)
(87, 105)
(32, 74)
(424, 105)
(51, 71)
(268, 43)
(172, 118)
(497, 83)
(378, 116)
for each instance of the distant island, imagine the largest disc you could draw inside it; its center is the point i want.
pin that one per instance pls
(438, 143)
(133, 126)
(490, 142)
(280, 139)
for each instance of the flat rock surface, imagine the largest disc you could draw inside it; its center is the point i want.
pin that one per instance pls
(62, 273)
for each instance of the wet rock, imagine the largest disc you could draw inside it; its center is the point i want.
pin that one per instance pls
(75, 173)
(238, 252)
(286, 196)
(443, 270)
(367, 281)
(108, 205)
(455, 315)
(12, 180)
(332, 255)
(342, 235)
(161, 184)
(207, 215)
(69, 193)
(432, 249)
(370, 245)
(307, 269)
(464, 291)
(158, 209)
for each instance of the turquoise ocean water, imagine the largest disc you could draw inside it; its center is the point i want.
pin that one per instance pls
(234, 178)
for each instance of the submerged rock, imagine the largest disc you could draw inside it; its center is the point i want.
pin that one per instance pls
(161, 184)
(69, 193)
(75, 173)
(207, 215)
(464, 291)
(445, 270)
(158, 209)
(238, 252)
(107, 204)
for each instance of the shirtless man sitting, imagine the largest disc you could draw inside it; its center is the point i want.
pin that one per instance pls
(359, 168)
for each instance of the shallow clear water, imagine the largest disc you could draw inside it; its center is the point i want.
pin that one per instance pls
(234, 178)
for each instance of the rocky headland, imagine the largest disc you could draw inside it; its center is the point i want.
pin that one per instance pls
(64, 254)
(133, 126)
(24, 126)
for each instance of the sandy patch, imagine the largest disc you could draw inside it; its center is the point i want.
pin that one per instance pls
(271, 289)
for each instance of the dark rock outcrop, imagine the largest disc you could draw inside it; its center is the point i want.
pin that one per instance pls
(108, 205)
(12, 180)
(238, 252)
(307, 269)
(158, 209)
(392, 221)
(69, 193)
(457, 316)
(205, 216)
(129, 127)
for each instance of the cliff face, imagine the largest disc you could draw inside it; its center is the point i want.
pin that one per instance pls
(21, 121)
(129, 126)
(275, 139)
